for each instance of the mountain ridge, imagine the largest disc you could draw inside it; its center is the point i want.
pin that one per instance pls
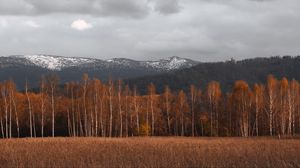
(58, 63)
(31, 68)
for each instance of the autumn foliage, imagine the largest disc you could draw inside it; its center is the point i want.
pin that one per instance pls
(91, 108)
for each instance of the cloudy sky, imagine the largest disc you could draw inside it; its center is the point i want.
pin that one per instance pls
(205, 30)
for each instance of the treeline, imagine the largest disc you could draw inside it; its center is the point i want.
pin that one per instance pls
(92, 108)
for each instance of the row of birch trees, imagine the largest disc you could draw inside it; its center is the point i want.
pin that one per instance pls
(91, 108)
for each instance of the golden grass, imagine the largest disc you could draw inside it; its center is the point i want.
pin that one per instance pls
(150, 152)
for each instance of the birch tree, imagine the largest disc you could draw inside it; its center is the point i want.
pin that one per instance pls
(152, 92)
(29, 108)
(259, 103)
(52, 81)
(182, 109)
(110, 93)
(242, 101)
(214, 97)
(193, 93)
(167, 96)
(271, 93)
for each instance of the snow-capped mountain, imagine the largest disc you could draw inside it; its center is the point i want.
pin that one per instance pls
(59, 63)
(31, 67)
(55, 62)
(171, 63)
(48, 61)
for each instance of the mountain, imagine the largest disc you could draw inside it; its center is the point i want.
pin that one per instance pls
(251, 70)
(31, 67)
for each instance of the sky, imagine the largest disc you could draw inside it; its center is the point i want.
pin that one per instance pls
(204, 30)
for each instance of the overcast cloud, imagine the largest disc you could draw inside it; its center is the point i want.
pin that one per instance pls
(205, 30)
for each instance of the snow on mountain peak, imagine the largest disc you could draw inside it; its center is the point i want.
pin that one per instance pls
(170, 63)
(56, 62)
(120, 61)
(176, 62)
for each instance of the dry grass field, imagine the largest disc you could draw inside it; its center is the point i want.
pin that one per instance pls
(150, 152)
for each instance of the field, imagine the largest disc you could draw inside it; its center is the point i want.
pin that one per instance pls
(150, 152)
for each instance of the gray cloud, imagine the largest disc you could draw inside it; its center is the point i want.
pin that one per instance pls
(131, 8)
(167, 6)
(15, 7)
(124, 8)
(206, 30)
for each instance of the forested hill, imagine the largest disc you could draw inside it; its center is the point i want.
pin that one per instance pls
(251, 70)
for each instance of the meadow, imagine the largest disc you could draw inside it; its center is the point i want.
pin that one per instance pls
(149, 152)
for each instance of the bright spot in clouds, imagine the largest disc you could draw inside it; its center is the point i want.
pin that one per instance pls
(32, 24)
(3, 23)
(81, 25)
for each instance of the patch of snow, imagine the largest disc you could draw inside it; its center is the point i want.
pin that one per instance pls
(56, 62)
(176, 62)
(168, 64)
(122, 61)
